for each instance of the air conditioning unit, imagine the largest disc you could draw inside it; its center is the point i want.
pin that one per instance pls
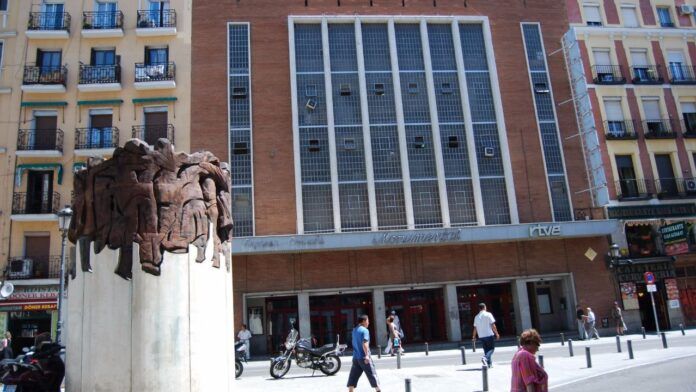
(690, 185)
(20, 268)
(686, 9)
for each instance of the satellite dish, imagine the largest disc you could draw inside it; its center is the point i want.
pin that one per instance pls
(6, 289)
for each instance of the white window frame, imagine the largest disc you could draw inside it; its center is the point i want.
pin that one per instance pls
(7, 7)
(596, 6)
(634, 11)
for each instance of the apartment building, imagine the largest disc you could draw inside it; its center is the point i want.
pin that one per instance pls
(638, 58)
(78, 79)
(398, 155)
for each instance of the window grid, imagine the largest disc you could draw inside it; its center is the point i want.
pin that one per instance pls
(242, 212)
(240, 147)
(355, 211)
(449, 102)
(386, 156)
(426, 204)
(346, 99)
(350, 154)
(559, 197)
(495, 204)
(308, 50)
(414, 96)
(421, 158)
(490, 160)
(311, 99)
(473, 47)
(314, 155)
(544, 104)
(380, 98)
(240, 116)
(441, 47)
(342, 47)
(480, 97)
(455, 155)
(460, 195)
(375, 40)
(317, 208)
(391, 207)
(409, 47)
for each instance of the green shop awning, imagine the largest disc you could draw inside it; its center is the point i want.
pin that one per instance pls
(77, 166)
(155, 99)
(100, 102)
(39, 104)
(38, 166)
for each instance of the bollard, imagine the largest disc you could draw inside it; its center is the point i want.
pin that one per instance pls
(562, 339)
(570, 347)
(463, 349)
(642, 329)
(473, 345)
(681, 326)
(484, 374)
(408, 385)
(629, 344)
(664, 340)
(379, 352)
(618, 343)
(398, 358)
(541, 360)
(588, 357)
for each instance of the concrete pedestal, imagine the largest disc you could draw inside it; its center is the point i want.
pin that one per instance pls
(172, 332)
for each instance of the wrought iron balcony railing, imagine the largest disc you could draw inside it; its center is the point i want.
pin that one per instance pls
(608, 74)
(151, 133)
(156, 18)
(688, 128)
(89, 138)
(100, 74)
(45, 75)
(620, 130)
(49, 21)
(682, 74)
(155, 72)
(102, 20)
(646, 74)
(659, 129)
(40, 140)
(675, 187)
(634, 189)
(35, 203)
(34, 267)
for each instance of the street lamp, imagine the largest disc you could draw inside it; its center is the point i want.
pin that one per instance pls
(64, 217)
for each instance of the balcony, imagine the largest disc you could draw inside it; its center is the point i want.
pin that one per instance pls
(95, 141)
(634, 189)
(682, 74)
(151, 133)
(36, 267)
(102, 24)
(48, 25)
(671, 188)
(44, 79)
(620, 130)
(646, 74)
(40, 142)
(659, 129)
(156, 23)
(40, 207)
(155, 76)
(98, 78)
(608, 74)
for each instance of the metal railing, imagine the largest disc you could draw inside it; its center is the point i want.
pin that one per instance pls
(102, 20)
(99, 74)
(675, 187)
(646, 74)
(682, 74)
(35, 203)
(688, 128)
(49, 21)
(620, 130)
(34, 267)
(608, 74)
(659, 129)
(45, 75)
(155, 72)
(87, 138)
(634, 189)
(151, 133)
(158, 18)
(40, 140)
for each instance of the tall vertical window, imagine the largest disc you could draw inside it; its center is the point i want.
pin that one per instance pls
(629, 15)
(593, 16)
(2, 52)
(548, 125)
(665, 17)
(3, 5)
(240, 126)
(688, 110)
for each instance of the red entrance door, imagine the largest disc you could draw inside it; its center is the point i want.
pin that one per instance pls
(337, 315)
(498, 300)
(281, 315)
(421, 313)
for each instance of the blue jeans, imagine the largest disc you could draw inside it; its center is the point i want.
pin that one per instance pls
(488, 348)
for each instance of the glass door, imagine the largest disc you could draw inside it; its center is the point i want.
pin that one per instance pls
(665, 171)
(52, 18)
(105, 17)
(49, 66)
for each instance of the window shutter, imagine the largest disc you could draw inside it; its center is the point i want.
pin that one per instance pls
(652, 109)
(639, 57)
(630, 18)
(601, 57)
(613, 110)
(592, 13)
(688, 107)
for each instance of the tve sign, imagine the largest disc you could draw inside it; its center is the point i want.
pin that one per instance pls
(545, 231)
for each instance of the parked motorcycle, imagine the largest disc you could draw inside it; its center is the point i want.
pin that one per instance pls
(39, 369)
(239, 357)
(325, 359)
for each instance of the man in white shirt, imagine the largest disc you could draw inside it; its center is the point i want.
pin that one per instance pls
(590, 325)
(484, 327)
(244, 336)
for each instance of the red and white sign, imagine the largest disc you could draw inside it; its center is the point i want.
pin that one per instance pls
(649, 277)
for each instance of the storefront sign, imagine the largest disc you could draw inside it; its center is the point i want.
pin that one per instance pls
(674, 238)
(629, 296)
(672, 289)
(28, 307)
(545, 231)
(647, 212)
(34, 293)
(634, 272)
(439, 236)
(674, 304)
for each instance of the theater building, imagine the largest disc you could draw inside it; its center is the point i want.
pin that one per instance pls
(399, 155)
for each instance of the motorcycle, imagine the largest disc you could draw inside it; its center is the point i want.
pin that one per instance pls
(325, 359)
(239, 357)
(39, 369)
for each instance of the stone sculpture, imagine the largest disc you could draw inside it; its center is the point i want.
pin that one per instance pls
(157, 198)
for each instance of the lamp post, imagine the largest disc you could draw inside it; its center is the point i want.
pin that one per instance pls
(64, 217)
(614, 255)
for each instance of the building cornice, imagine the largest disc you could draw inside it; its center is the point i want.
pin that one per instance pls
(621, 32)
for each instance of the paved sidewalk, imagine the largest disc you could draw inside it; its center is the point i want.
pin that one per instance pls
(452, 375)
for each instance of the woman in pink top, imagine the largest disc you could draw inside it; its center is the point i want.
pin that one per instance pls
(527, 375)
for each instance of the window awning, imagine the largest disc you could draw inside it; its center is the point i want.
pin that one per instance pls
(38, 166)
(96, 102)
(154, 99)
(39, 104)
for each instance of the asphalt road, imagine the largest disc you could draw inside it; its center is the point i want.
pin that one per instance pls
(676, 375)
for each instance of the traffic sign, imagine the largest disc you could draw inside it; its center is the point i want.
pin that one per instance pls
(649, 277)
(652, 288)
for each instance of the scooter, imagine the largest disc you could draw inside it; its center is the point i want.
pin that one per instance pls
(239, 357)
(39, 369)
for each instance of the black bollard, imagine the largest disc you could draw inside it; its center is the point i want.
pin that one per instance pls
(588, 357)
(664, 340)
(570, 347)
(642, 329)
(473, 346)
(484, 374)
(426, 349)
(408, 385)
(562, 339)
(463, 349)
(618, 343)
(541, 360)
(379, 352)
(398, 358)
(681, 326)
(629, 344)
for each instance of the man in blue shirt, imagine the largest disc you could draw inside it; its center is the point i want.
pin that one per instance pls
(362, 362)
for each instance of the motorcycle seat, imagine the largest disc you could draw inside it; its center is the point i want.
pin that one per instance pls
(318, 351)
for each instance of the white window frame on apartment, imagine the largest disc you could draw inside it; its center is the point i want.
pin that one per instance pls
(610, 112)
(593, 14)
(630, 9)
(7, 6)
(650, 100)
(390, 20)
(601, 52)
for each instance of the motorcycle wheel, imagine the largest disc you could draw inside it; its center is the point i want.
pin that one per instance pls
(280, 368)
(331, 365)
(238, 369)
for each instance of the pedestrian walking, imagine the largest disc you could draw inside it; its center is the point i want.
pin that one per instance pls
(590, 325)
(393, 337)
(244, 336)
(617, 315)
(527, 374)
(362, 361)
(7, 346)
(582, 334)
(398, 329)
(484, 327)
